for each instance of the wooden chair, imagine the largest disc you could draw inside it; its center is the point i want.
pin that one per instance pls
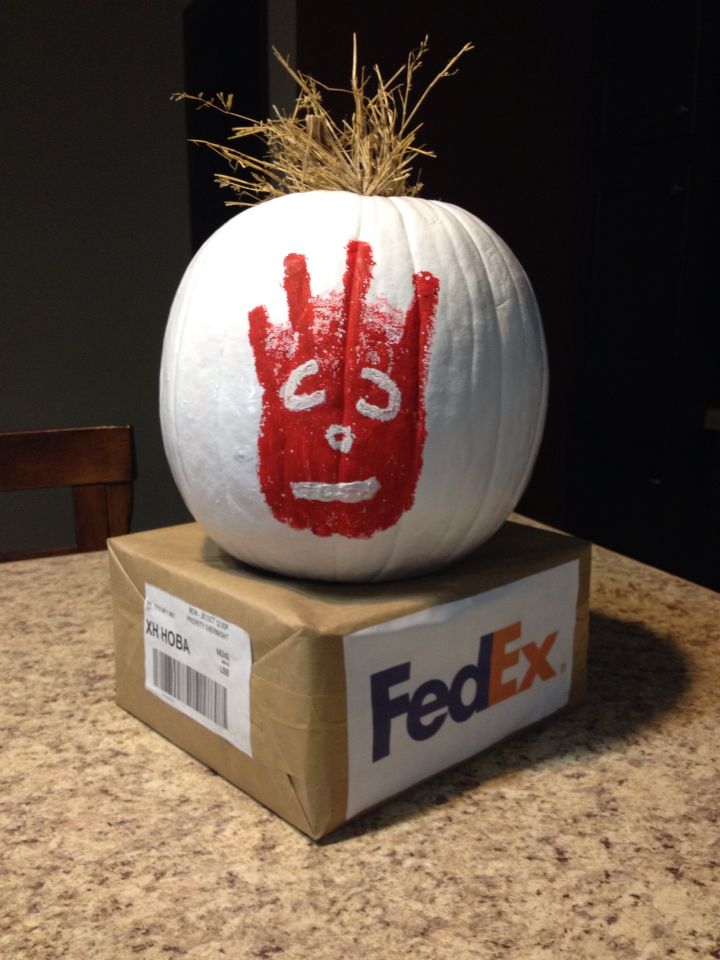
(97, 462)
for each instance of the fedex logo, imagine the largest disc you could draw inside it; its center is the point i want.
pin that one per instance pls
(501, 670)
(420, 687)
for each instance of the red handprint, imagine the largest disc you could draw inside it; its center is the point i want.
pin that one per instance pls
(343, 418)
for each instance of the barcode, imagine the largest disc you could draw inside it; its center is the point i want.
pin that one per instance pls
(194, 689)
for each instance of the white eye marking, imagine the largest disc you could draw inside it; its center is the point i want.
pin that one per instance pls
(339, 437)
(301, 401)
(387, 384)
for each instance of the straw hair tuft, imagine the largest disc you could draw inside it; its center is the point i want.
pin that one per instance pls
(371, 153)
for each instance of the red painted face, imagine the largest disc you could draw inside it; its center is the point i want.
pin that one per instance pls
(343, 419)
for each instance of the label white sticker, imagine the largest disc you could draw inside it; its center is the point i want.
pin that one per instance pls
(430, 689)
(199, 664)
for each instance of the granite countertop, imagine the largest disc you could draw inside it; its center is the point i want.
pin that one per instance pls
(594, 835)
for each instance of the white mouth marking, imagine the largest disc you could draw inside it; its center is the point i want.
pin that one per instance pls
(354, 492)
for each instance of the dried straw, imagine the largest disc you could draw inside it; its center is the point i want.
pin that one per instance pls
(372, 153)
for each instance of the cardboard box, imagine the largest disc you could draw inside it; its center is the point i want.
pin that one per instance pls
(321, 700)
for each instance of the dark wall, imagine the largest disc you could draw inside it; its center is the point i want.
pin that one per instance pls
(93, 202)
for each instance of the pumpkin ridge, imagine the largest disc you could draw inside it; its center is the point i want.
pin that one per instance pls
(498, 407)
(523, 292)
(448, 213)
(399, 205)
(525, 298)
(431, 208)
(390, 545)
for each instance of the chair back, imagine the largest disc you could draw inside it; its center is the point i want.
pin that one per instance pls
(97, 462)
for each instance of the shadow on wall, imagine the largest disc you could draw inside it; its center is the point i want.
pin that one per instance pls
(633, 676)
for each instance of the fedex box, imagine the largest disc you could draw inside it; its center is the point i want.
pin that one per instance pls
(321, 700)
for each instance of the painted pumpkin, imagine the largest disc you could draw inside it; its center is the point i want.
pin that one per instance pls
(353, 387)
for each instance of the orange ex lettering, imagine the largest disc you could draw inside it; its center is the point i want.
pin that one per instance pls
(474, 688)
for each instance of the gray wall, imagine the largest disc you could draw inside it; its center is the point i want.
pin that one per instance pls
(95, 234)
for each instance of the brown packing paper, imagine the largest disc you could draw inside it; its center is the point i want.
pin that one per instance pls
(299, 766)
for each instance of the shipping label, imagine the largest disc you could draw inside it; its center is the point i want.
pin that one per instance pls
(199, 664)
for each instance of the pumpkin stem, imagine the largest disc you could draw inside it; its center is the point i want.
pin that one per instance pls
(370, 153)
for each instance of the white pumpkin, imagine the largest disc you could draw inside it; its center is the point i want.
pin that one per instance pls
(353, 387)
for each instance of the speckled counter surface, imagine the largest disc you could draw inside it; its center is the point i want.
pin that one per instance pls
(595, 835)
